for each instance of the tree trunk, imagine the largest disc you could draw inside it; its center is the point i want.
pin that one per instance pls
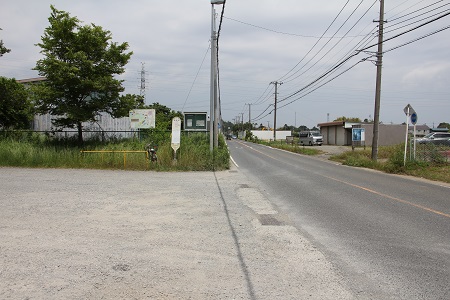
(80, 133)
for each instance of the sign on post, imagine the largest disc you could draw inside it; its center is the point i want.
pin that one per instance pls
(358, 134)
(409, 112)
(176, 135)
(195, 121)
(413, 118)
(142, 118)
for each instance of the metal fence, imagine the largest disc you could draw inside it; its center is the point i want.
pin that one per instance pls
(99, 135)
(429, 153)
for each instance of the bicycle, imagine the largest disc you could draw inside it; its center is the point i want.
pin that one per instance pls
(151, 149)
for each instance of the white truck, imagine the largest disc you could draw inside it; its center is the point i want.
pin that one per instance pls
(310, 138)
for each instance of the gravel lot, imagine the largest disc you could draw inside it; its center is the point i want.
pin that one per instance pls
(89, 234)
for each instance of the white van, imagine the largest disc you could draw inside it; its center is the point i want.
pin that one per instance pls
(310, 138)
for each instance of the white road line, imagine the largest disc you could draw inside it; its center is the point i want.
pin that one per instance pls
(234, 162)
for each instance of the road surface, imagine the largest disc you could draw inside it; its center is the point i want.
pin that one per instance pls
(389, 235)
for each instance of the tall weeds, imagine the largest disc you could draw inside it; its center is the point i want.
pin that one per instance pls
(39, 151)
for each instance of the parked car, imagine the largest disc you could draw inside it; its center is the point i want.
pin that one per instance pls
(445, 142)
(437, 138)
(310, 138)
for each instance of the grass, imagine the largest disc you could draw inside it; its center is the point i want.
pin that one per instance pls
(291, 147)
(391, 160)
(38, 151)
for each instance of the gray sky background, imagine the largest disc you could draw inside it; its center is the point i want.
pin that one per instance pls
(262, 41)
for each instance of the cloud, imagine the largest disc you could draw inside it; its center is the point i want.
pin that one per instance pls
(436, 73)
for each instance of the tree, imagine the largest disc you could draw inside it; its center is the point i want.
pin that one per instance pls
(15, 107)
(444, 125)
(3, 49)
(80, 63)
(345, 119)
(164, 116)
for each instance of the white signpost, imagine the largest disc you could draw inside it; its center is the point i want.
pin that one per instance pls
(176, 135)
(409, 111)
(414, 122)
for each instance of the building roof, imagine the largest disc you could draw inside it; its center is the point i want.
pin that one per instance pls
(344, 124)
(31, 80)
(335, 123)
(422, 127)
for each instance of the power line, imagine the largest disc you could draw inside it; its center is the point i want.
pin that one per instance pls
(407, 31)
(281, 32)
(326, 30)
(340, 40)
(195, 79)
(417, 39)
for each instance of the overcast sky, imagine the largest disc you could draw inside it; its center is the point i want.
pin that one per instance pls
(262, 41)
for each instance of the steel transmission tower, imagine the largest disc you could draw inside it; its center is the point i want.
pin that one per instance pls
(142, 87)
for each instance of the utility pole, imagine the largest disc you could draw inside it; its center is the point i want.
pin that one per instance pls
(379, 63)
(276, 83)
(249, 113)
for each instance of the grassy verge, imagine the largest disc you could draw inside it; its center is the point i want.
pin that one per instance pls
(291, 147)
(38, 151)
(391, 160)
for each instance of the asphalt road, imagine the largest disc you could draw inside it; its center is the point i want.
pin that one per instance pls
(389, 235)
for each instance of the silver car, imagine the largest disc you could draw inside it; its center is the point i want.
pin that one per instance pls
(437, 138)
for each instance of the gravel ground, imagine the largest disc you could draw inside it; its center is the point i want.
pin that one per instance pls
(89, 234)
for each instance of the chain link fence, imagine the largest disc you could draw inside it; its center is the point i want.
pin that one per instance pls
(429, 152)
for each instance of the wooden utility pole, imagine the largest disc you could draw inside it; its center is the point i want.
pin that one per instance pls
(379, 63)
(276, 83)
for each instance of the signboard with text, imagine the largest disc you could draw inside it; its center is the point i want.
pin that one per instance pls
(142, 118)
(195, 121)
(358, 134)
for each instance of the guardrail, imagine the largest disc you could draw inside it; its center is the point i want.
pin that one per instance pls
(117, 151)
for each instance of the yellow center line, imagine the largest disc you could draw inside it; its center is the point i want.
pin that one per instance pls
(390, 197)
(369, 190)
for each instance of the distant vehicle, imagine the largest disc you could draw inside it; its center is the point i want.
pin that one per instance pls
(234, 137)
(437, 138)
(228, 136)
(445, 142)
(310, 138)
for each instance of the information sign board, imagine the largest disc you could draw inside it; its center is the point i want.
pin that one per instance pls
(142, 118)
(195, 121)
(358, 134)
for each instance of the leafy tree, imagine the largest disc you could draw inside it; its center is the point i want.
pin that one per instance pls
(3, 49)
(287, 127)
(303, 128)
(227, 126)
(164, 116)
(15, 107)
(80, 63)
(444, 125)
(355, 120)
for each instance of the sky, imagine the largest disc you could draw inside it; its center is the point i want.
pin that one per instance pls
(322, 54)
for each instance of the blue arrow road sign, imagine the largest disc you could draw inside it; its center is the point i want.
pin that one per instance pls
(414, 118)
